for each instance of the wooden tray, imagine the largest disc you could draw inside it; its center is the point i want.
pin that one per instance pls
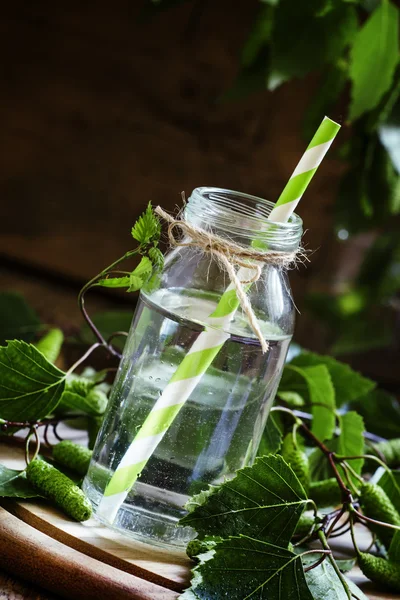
(89, 561)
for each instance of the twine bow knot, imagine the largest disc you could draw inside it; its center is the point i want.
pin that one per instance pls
(229, 254)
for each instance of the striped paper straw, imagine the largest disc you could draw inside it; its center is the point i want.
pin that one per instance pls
(208, 343)
(305, 170)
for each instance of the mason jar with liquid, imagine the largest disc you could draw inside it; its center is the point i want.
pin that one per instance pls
(193, 391)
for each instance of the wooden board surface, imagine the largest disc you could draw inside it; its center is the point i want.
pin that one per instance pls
(89, 560)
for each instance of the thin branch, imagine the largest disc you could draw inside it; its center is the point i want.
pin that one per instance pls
(287, 411)
(316, 564)
(83, 358)
(340, 533)
(351, 484)
(32, 432)
(339, 529)
(352, 471)
(91, 283)
(335, 521)
(45, 434)
(374, 521)
(55, 433)
(353, 535)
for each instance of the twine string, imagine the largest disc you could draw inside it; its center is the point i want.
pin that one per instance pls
(229, 255)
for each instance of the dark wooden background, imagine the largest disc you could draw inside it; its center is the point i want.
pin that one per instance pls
(102, 111)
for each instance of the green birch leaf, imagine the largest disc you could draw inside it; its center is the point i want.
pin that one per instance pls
(114, 282)
(144, 268)
(147, 228)
(293, 399)
(346, 565)
(319, 467)
(324, 583)
(84, 395)
(349, 385)
(17, 319)
(92, 404)
(350, 442)
(14, 484)
(314, 383)
(50, 344)
(243, 567)
(30, 386)
(373, 58)
(302, 43)
(271, 440)
(264, 501)
(322, 397)
(135, 283)
(390, 483)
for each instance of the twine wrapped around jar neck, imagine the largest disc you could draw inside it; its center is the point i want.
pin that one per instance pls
(228, 255)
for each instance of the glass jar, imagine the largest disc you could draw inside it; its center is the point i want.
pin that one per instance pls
(217, 427)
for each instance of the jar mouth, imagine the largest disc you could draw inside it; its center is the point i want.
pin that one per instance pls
(243, 217)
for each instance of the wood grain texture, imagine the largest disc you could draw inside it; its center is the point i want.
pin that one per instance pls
(169, 569)
(36, 557)
(165, 568)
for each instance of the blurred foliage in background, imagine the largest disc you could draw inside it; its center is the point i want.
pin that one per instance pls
(353, 46)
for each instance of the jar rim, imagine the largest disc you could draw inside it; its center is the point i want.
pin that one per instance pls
(242, 215)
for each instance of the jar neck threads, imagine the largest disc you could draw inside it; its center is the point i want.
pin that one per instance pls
(242, 218)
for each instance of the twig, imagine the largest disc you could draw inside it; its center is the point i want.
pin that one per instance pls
(45, 434)
(93, 282)
(337, 531)
(374, 521)
(346, 468)
(345, 491)
(316, 564)
(55, 433)
(83, 358)
(32, 431)
(287, 411)
(353, 535)
(335, 521)
(340, 533)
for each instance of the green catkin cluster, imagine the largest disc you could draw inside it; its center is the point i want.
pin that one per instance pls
(50, 344)
(98, 401)
(390, 450)
(376, 504)
(60, 489)
(325, 493)
(73, 456)
(380, 570)
(297, 459)
(304, 525)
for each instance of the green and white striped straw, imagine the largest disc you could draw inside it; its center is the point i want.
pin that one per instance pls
(208, 343)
